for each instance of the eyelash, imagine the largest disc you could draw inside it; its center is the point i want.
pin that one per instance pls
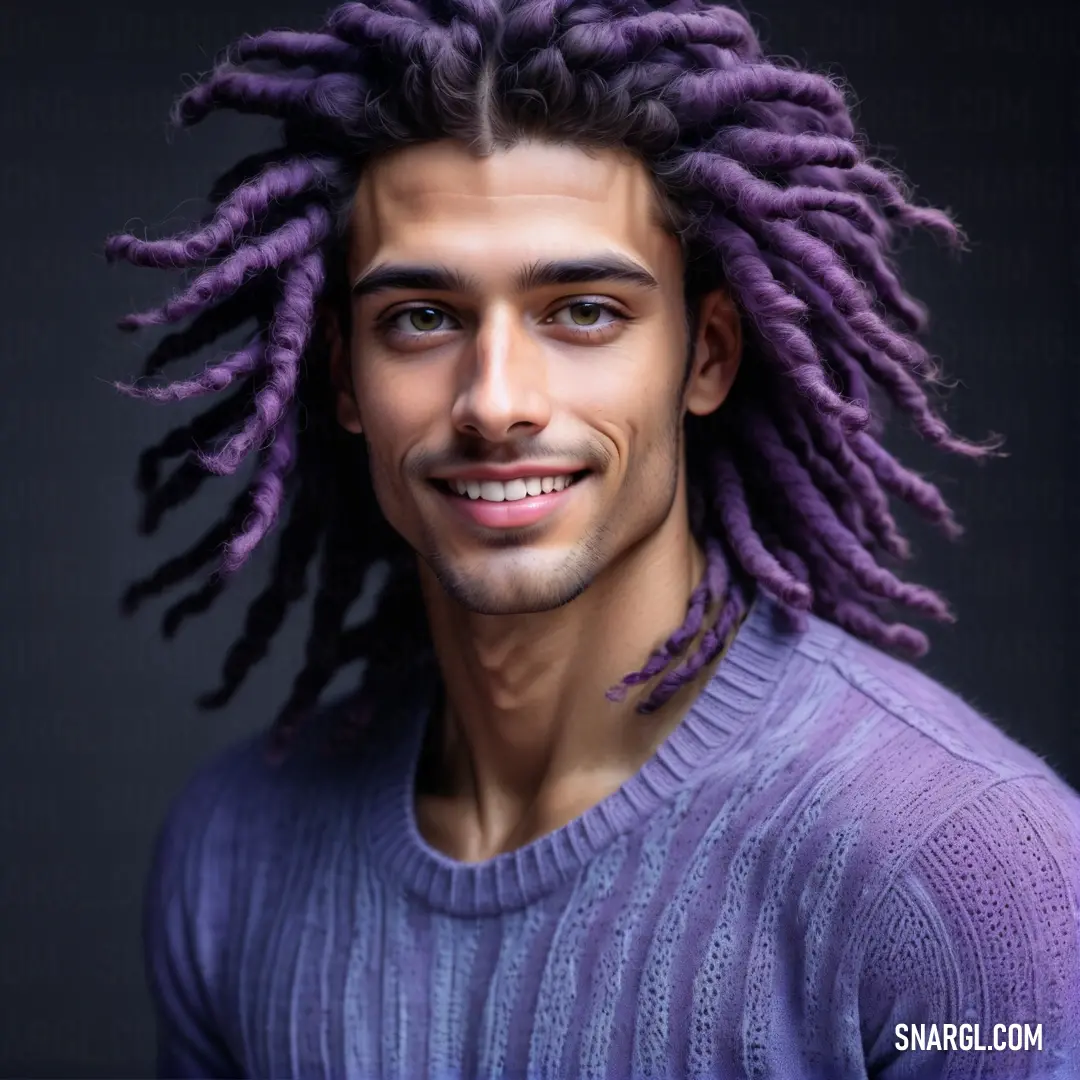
(386, 327)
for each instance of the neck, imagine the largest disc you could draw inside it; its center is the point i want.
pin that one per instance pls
(527, 739)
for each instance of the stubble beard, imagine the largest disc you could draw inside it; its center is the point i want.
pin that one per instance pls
(508, 576)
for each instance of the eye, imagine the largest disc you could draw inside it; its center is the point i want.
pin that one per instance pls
(418, 320)
(589, 315)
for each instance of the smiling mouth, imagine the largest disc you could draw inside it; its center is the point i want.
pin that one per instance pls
(511, 490)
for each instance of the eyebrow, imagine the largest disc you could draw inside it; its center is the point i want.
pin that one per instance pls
(536, 275)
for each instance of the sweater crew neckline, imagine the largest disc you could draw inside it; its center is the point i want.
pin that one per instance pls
(738, 689)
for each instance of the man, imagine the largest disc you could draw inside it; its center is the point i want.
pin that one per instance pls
(596, 298)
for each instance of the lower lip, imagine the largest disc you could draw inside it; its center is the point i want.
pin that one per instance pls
(509, 515)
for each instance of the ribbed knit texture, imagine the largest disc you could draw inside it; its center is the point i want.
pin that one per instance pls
(829, 844)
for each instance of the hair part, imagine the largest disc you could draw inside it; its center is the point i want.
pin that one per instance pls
(758, 171)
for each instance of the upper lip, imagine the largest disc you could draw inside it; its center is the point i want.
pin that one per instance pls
(519, 470)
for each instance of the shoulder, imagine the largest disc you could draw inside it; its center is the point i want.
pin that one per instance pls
(232, 831)
(200, 833)
(872, 757)
(185, 913)
(974, 837)
(905, 721)
(243, 796)
(953, 850)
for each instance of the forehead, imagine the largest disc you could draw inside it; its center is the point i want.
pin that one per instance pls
(535, 199)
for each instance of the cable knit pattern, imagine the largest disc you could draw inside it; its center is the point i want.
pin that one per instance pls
(828, 845)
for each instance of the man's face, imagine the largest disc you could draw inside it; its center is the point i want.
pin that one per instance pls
(479, 354)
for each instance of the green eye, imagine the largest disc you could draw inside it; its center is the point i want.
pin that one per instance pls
(591, 313)
(425, 319)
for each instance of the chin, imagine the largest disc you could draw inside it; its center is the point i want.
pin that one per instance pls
(512, 590)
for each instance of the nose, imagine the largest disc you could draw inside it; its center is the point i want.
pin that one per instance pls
(502, 390)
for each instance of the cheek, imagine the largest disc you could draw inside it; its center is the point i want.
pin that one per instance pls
(631, 398)
(400, 402)
(393, 421)
(380, 467)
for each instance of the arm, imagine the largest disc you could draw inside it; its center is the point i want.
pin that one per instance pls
(982, 927)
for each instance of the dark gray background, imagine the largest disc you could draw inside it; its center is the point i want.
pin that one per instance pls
(99, 725)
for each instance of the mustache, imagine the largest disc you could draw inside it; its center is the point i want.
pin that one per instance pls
(462, 456)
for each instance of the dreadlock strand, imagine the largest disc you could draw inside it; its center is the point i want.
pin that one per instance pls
(259, 256)
(808, 504)
(289, 334)
(245, 206)
(737, 188)
(777, 315)
(322, 97)
(703, 97)
(715, 639)
(734, 513)
(708, 590)
(213, 378)
(291, 49)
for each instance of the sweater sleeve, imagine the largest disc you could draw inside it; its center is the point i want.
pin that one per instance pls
(982, 927)
(176, 941)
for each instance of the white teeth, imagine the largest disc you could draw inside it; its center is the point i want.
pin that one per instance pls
(511, 490)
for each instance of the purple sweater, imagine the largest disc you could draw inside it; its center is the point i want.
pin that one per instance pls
(828, 846)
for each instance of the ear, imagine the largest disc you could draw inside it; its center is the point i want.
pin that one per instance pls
(346, 408)
(717, 353)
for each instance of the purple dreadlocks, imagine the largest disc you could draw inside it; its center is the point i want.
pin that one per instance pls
(761, 176)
